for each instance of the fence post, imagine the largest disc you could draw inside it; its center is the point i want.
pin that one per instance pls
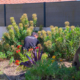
(4, 14)
(44, 14)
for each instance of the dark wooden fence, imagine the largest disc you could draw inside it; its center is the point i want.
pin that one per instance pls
(53, 13)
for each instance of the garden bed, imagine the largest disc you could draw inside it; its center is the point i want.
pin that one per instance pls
(10, 70)
(12, 73)
(57, 47)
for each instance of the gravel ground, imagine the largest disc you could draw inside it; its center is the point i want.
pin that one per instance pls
(11, 71)
(13, 74)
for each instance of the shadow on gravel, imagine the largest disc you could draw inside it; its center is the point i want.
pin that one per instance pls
(21, 76)
(18, 77)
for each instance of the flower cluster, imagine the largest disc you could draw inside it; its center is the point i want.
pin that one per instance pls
(53, 57)
(21, 26)
(39, 33)
(24, 19)
(12, 19)
(60, 30)
(67, 26)
(3, 39)
(53, 31)
(31, 28)
(34, 17)
(56, 29)
(48, 44)
(49, 34)
(31, 49)
(31, 23)
(17, 51)
(19, 46)
(7, 35)
(14, 24)
(43, 34)
(29, 32)
(66, 23)
(11, 33)
(6, 46)
(9, 27)
(51, 26)
(17, 62)
(72, 27)
(16, 29)
(26, 26)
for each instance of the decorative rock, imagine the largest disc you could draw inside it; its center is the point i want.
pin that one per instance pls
(76, 59)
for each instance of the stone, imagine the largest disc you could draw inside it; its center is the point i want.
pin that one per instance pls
(76, 59)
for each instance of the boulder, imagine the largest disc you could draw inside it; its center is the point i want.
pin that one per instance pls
(76, 59)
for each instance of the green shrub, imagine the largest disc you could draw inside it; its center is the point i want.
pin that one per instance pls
(77, 76)
(2, 55)
(47, 70)
(16, 34)
(61, 42)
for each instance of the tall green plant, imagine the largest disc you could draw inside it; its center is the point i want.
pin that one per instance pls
(62, 43)
(16, 33)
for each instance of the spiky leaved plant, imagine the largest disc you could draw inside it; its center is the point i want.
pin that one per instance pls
(34, 57)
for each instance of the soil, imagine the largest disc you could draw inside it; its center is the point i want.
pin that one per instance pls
(13, 74)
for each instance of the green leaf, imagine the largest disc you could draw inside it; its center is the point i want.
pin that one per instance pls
(9, 53)
(11, 60)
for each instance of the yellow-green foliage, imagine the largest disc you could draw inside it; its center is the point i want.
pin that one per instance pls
(63, 42)
(44, 56)
(16, 33)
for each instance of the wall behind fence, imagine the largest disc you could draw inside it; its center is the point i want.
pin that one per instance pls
(53, 13)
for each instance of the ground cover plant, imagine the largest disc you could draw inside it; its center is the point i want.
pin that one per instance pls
(60, 42)
(51, 70)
